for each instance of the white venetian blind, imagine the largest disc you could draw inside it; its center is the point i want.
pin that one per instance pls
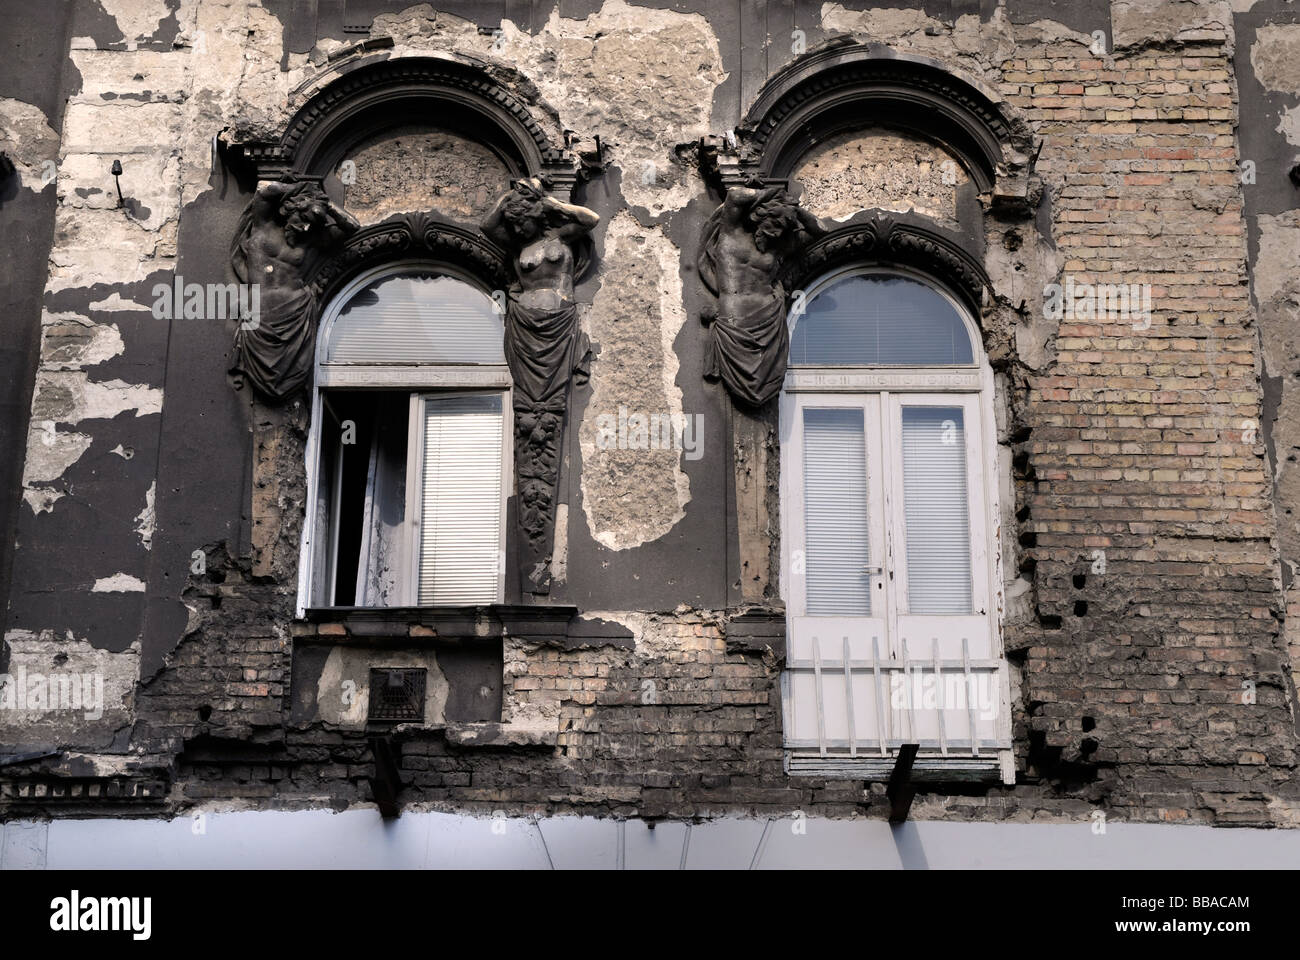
(836, 544)
(879, 320)
(935, 511)
(417, 317)
(460, 511)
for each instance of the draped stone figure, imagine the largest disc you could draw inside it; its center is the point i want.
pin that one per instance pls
(286, 224)
(544, 348)
(746, 242)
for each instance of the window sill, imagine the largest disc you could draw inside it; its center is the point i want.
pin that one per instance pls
(487, 622)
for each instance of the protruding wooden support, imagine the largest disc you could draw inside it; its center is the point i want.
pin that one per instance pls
(901, 789)
(385, 784)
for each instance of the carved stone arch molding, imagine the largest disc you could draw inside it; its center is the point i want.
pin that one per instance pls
(845, 84)
(380, 91)
(297, 244)
(894, 240)
(411, 236)
(845, 87)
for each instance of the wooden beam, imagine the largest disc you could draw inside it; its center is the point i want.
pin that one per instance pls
(901, 790)
(385, 784)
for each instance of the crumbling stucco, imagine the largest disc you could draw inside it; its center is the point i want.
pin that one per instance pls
(39, 658)
(1275, 60)
(1143, 23)
(343, 689)
(879, 169)
(631, 496)
(28, 141)
(419, 168)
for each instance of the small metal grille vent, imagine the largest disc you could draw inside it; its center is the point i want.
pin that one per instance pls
(397, 693)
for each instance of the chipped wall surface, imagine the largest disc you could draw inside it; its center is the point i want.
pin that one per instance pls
(633, 488)
(159, 506)
(881, 170)
(414, 168)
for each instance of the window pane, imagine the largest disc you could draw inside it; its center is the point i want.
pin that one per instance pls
(936, 512)
(836, 543)
(418, 317)
(871, 319)
(460, 513)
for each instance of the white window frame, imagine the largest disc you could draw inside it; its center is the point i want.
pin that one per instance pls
(415, 487)
(970, 387)
(418, 379)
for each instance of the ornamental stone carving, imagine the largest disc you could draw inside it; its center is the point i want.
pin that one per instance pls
(550, 246)
(747, 243)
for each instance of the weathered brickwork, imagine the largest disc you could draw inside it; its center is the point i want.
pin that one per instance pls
(1147, 555)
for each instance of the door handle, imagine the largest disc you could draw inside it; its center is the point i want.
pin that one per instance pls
(873, 570)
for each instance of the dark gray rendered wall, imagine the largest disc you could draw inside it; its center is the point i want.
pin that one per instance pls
(34, 69)
(201, 445)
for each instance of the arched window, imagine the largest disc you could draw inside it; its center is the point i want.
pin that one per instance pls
(888, 554)
(410, 443)
(875, 318)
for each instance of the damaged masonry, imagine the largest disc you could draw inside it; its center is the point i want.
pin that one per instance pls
(599, 410)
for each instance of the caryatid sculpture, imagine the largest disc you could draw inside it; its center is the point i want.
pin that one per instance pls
(286, 224)
(746, 243)
(544, 349)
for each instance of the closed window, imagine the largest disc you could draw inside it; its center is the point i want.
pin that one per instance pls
(889, 565)
(410, 451)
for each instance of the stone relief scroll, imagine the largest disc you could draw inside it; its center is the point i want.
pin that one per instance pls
(550, 243)
(286, 224)
(746, 242)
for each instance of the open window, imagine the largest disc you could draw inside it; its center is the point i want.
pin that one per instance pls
(889, 559)
(409, 454)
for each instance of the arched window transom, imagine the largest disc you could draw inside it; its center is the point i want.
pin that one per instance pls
(872, 318)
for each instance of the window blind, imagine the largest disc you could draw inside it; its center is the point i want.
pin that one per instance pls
(836, 541)
(417, 319)
(460, 509)
(935, 510)
(879, 320)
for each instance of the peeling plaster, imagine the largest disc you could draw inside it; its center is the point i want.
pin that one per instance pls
(70, 396)
(28, 140)
(118, 583)
(70, 341)
(642, 79)
(343, 689)
(982, 46)
(1146, 23)
(48, 655)
(137, 19)
(632, 496)
(147, 517)
(1275, 60)
(880, 169)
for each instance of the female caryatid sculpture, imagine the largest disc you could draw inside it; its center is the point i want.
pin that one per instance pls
(286, 224)
(746, 243)
(544, 349)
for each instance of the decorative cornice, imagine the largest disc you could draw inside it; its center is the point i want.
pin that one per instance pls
(412, 235)
(385, 81)
(845, 84)
(883, 239)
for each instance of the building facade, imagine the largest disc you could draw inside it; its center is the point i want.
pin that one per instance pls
(658, 411)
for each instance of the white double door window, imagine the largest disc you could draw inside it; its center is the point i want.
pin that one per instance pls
(887, 574)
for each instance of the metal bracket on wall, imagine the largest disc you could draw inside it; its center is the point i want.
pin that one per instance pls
(385, 784)
(901, 790)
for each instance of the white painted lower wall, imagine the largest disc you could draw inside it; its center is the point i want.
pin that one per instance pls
(359, 839)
